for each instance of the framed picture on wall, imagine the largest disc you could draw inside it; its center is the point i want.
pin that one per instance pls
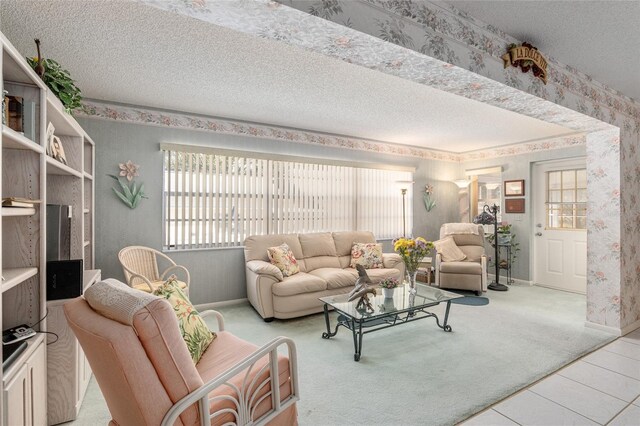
(514, 205)
(514, 188)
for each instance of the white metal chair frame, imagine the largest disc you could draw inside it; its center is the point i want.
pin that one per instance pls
(130, 274)
(247, 394)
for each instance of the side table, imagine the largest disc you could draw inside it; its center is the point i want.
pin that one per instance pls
(425, 265)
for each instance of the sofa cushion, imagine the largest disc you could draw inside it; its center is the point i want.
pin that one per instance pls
(255, 247)
(377, 275)
(344, 240)
(474, 253)
(335, 278)
(461, 268)
(368, 255)
(283, 258)
(318, 244)
(194, 330)
(116, 300)
(299, 283)
(449, 250)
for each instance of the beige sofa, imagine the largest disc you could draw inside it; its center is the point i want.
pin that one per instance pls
(324, 260)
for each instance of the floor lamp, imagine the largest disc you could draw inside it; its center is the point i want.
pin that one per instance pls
(403, 190)
(493, 212)
(404, 214)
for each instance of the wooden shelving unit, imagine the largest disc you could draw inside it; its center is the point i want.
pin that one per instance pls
(28, 397)
(17, 211)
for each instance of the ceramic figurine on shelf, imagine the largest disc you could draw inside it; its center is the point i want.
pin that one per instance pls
(362, 290)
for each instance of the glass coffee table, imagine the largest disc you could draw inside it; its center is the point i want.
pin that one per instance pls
(403, 308)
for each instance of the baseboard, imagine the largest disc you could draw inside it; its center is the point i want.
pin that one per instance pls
(607, 329)
(631, 327)
(213, 305)
(516, 281)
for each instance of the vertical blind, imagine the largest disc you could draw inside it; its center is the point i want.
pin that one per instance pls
(218, 199)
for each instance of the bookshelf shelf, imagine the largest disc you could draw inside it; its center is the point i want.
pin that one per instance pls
(64, 123)
(16, 276)
(18, 211)
(54, 167)
(14, 140)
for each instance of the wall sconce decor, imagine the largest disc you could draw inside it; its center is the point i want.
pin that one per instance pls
(429, 202)
(462, 183)
(129, 193)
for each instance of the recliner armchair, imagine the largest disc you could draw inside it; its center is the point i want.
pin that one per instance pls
(470, 273)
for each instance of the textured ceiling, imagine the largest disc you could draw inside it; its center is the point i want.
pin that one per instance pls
(131, 53)
(599, 38)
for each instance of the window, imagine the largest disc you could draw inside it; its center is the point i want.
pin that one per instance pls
(567, 199)
(216, 198)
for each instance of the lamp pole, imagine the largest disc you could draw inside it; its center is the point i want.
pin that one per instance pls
(404, 215)
(493, 210)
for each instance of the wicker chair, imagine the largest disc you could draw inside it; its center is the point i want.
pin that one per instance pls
(140, 267)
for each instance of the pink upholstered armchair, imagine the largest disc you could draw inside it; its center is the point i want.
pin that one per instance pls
(146, 374)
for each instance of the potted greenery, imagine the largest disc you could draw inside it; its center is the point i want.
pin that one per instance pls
(58, 80)
(506, 238)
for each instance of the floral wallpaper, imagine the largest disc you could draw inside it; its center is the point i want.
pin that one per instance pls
(437, 45)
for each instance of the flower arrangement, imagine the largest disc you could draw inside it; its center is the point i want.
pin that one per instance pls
(412, 250)
(389, 283)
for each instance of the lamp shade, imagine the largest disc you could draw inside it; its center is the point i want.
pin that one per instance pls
(462, 183)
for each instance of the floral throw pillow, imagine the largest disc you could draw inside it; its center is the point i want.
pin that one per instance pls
(368, 255)
(194, 330)
(283, 258)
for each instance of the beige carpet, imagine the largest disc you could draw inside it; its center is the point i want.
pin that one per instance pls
(416, 374)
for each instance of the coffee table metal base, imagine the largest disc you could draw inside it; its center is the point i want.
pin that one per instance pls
(360, 327)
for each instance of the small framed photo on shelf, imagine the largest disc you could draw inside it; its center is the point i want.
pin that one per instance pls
(50, 131)
(514, 188)
(514, 205)
(54, 145)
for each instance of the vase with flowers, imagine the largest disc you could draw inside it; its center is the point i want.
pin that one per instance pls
(388, 286)
(412, 251)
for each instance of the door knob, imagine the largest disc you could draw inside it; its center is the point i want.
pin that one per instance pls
(538, 234)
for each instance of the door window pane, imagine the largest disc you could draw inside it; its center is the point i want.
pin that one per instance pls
(566, 199)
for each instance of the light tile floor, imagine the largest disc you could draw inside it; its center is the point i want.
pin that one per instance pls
(600, 388)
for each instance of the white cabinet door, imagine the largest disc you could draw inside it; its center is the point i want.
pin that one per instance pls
(16, 407)
(37, 365)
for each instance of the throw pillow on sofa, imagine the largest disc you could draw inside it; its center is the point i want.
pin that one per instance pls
(283, 258)
(448, 249)
(194, 330)
(368, 255)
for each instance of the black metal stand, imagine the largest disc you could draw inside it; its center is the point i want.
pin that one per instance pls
(370, 325)
(495, 285)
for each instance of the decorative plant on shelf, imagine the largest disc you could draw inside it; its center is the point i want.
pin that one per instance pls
(58, 80)
(506, 238)
(429, 202)
(130, 193)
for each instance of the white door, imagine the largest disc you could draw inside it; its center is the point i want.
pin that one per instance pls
(560, 222)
